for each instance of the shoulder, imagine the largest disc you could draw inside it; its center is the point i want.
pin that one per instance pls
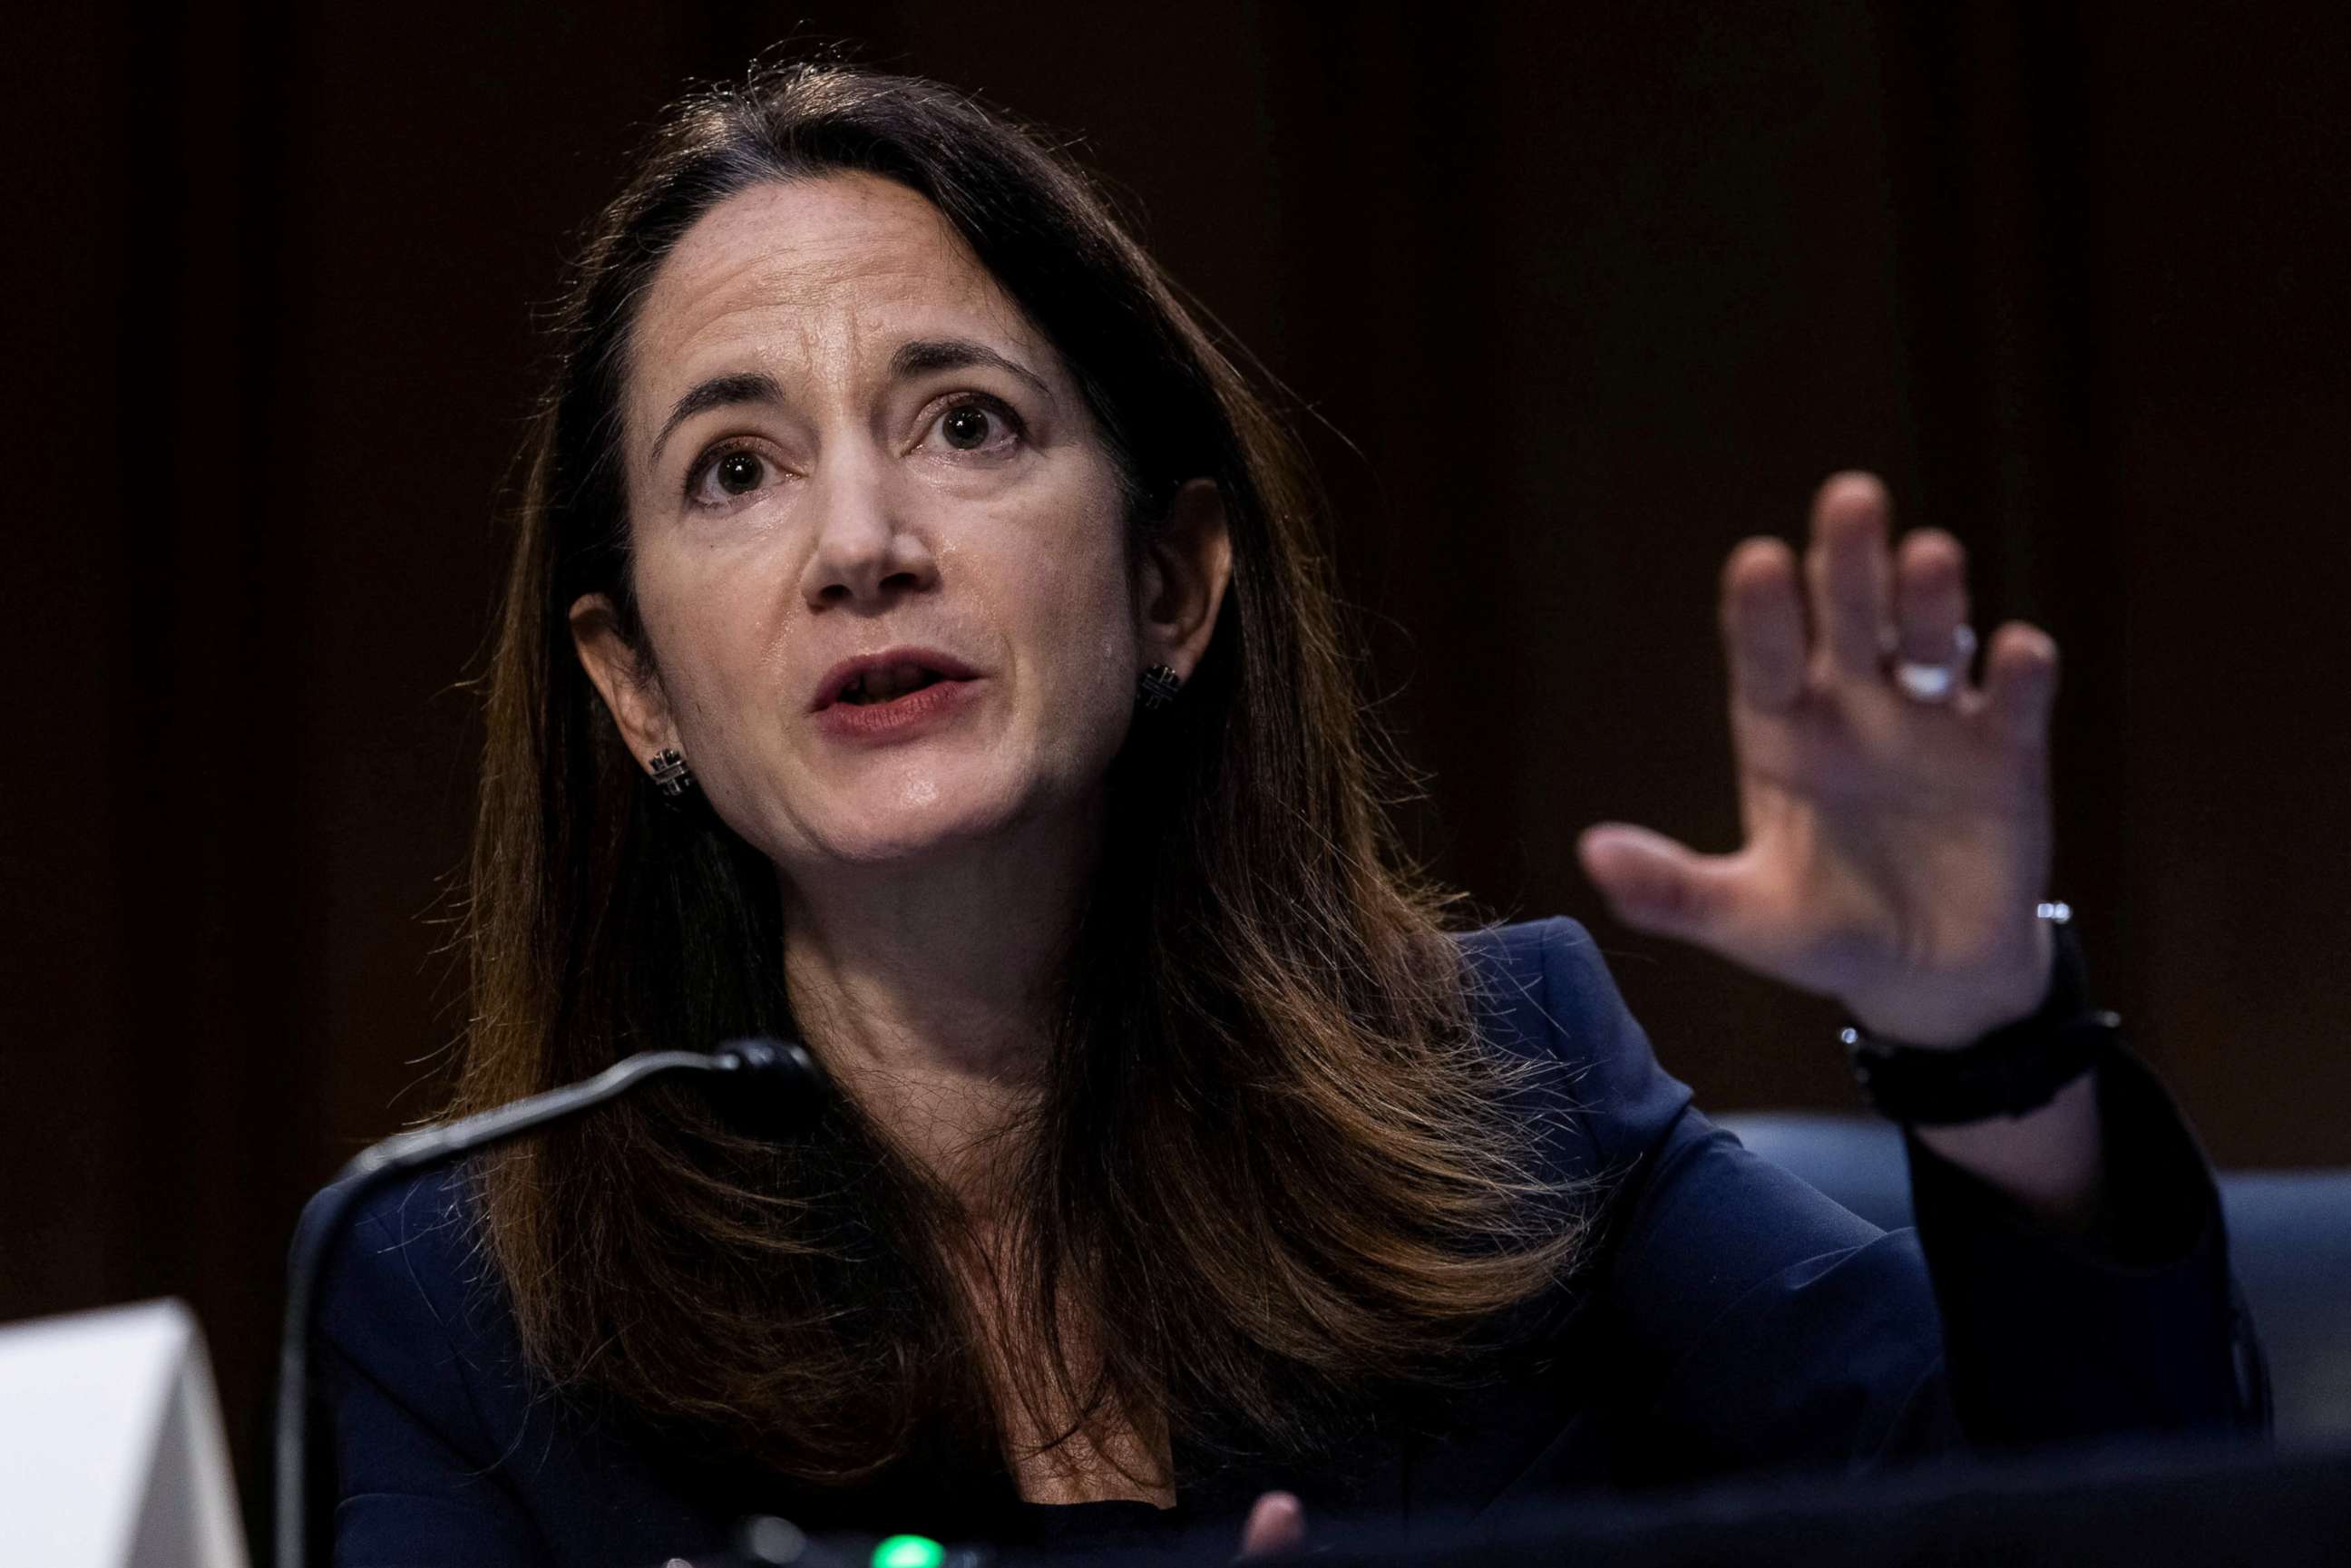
(411, 1243)
(1543, 995)
(447, 1447)
(407, 1302)
(414, 1217)
(1751, 1319)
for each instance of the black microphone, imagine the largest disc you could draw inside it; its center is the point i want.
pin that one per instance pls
(770, 1086)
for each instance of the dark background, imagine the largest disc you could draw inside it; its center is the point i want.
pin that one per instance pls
(1570, 299)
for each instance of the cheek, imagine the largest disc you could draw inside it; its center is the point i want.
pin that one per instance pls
(721, 643)
(1081, 611)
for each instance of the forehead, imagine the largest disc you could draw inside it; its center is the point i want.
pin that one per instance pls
(813, 278)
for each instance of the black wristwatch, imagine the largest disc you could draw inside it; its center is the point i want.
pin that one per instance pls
(2017, 1068)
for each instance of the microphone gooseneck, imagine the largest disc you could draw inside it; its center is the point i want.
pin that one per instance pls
(769, 1086)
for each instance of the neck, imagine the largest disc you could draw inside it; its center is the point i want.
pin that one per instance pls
(928, 989)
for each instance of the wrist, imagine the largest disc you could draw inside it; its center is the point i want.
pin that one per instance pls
(1957, 1012)
(2007, 1072)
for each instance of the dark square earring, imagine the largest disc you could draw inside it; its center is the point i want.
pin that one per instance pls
(1157, 686)
(671, 774)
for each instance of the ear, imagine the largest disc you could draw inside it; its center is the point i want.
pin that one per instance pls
(632, 695)
(1185, 568)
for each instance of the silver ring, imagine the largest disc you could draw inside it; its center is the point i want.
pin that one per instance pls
(1936, 682)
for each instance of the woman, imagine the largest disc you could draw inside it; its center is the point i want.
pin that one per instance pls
(915, 642)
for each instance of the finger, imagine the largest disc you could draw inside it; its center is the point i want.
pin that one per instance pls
(1276, 1527)
(2021, 681)
(1654, 884)
(1763, 624)
(1847, 570)
(1930, 597)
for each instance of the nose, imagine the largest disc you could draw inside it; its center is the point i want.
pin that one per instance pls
(867, 551)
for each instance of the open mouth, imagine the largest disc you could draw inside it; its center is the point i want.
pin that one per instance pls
(872, 687)
(891, 676)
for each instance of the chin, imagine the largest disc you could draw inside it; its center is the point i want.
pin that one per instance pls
(921, 823)
(909, 846)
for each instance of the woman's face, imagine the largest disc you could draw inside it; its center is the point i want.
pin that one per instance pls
(880, 549)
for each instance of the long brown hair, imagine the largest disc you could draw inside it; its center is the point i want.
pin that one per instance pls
(1272, 1171)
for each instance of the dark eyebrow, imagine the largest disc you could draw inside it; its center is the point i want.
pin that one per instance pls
(913, 359)
(922, 354)
(718, 391)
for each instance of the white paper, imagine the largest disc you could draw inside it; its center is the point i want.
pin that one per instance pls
(110, 1444)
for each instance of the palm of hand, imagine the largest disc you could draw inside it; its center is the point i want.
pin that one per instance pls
(1895, 847)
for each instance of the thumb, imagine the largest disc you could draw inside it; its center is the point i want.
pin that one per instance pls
(1276, 1527)
(1656, 884)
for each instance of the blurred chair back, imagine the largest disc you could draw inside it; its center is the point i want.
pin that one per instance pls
(2289, 1239)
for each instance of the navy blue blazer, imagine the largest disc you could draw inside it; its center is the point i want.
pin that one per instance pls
(1732, 1321)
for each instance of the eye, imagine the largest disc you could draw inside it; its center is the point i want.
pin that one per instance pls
(737, 473)
(978, 424)
(727, 476)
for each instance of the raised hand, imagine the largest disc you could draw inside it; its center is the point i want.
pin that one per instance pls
(1897, 838)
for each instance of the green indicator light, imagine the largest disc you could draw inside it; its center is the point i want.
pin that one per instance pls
(909, 1551)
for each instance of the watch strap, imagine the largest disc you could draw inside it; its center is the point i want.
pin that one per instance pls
(2017, 1068)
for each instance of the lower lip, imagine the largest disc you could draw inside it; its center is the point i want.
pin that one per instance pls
(898, 718)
